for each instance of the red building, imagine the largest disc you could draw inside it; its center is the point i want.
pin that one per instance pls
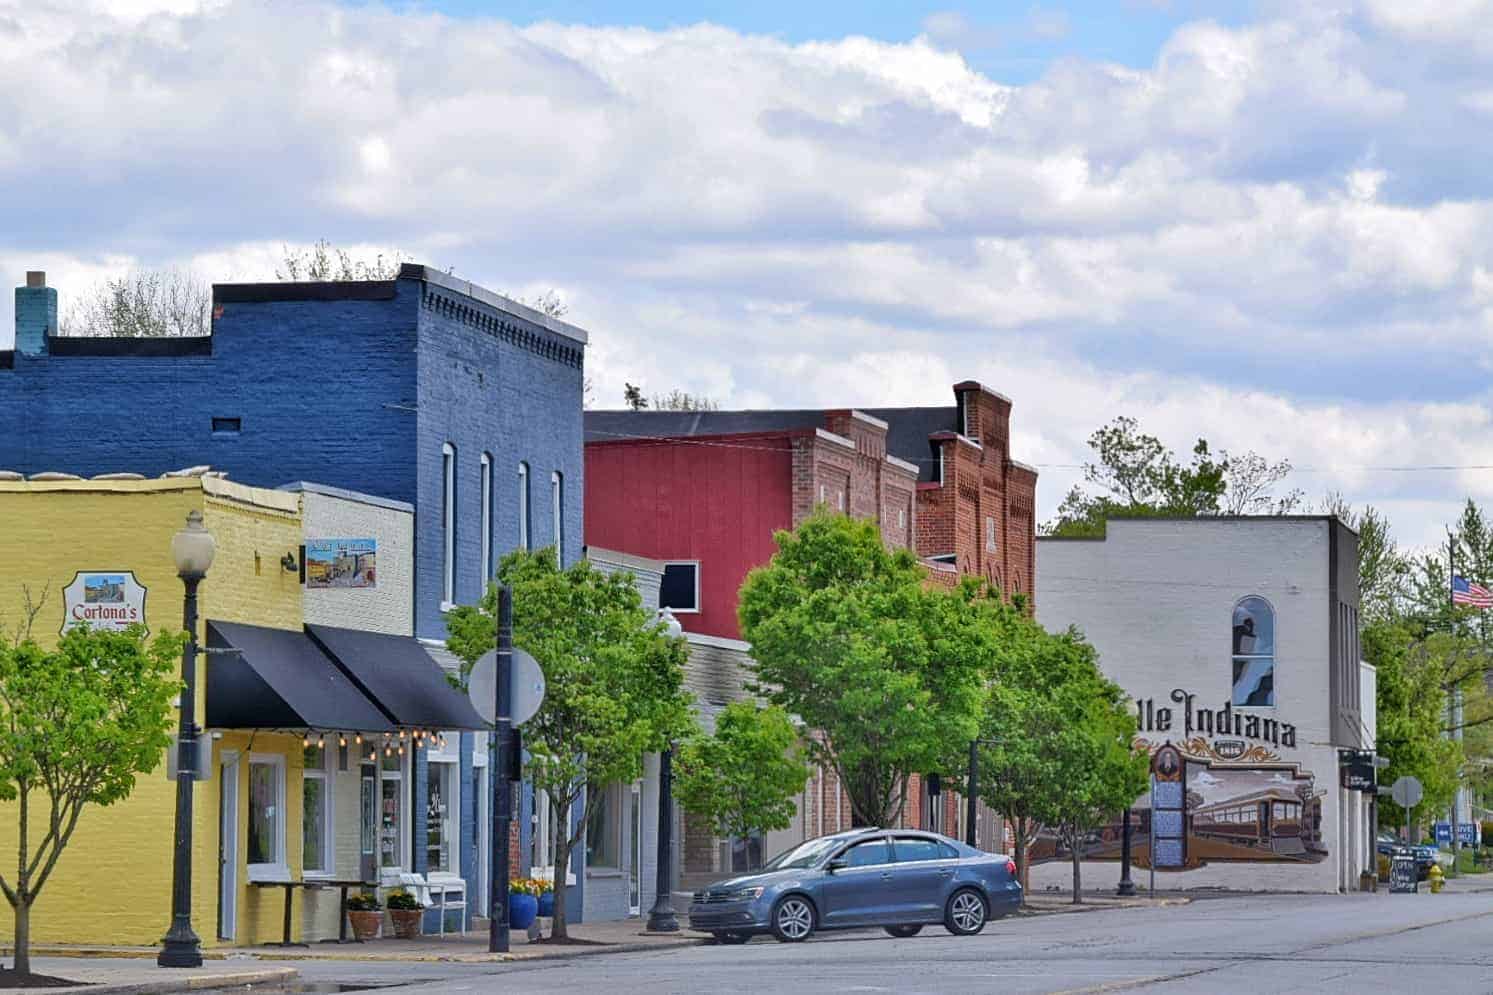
(704, 491)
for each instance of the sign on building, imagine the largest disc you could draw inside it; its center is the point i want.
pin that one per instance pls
(103, 599)
(341, 563)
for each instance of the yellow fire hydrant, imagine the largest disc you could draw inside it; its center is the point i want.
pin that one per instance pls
(1438, 878)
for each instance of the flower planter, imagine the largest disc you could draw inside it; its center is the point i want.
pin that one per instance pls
(406, 922)
(521, 910)
(547, 904)
(365, 923)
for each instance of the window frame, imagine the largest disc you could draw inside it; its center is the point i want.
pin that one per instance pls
(682, 611)
(611, 830)
(1247, 658)
(524, 534)
(279, 868)
(557, 499)
(883, 839)
(487, 545)
(938, 849)
(390, 872)
(448, 526)
(449, 770)
(991, 542)
(323, 774)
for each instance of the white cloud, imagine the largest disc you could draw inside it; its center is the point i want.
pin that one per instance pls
(1280, 235)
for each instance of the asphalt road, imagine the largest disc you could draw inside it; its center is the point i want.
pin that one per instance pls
(1431, 945)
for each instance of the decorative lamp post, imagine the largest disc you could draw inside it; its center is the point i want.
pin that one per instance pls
(662, 918)
(192, 548)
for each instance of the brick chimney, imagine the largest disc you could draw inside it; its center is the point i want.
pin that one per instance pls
(36, 314)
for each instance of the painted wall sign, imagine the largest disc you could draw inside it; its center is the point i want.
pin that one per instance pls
(103, 599)
(1224, 721)
(341, 563)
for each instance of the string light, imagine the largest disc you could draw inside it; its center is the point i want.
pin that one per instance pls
(401, 735)
(321, 741)
(306, 739)
(358, 738)
(342, 740)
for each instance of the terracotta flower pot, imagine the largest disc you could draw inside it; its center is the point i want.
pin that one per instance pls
(366, 922)
(406, 922)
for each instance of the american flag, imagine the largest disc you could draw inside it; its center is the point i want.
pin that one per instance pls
(1464, 592)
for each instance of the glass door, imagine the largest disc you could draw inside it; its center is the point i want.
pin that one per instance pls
(635, 868)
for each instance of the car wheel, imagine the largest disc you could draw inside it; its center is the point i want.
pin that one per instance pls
(965, 914)
(793, 919)
(904, 931)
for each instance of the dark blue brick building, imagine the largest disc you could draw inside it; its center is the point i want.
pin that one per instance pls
(400, 388)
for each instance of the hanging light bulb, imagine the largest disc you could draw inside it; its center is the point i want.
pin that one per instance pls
(401, 751)
(401, 734)
(306, 739)
(342, 740)
(321, 741)
(388, 751)
(358, 738)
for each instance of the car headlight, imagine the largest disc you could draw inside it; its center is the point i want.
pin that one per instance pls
(747, 894)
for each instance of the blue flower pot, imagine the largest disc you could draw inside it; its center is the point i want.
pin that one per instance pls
(521, 910)
(547, 904)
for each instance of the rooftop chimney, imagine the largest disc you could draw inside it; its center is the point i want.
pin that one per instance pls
(36, 314)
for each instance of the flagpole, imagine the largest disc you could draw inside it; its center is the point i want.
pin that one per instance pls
(1451, 562)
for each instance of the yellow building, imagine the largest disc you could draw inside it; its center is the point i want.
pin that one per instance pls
(99, 551)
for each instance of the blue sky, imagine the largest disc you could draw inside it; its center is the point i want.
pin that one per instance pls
(1268, 224)
(1012, 42)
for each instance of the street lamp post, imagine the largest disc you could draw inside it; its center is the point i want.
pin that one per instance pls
(969, 792)
(192, 548)
(1127, 886)
(662, 918)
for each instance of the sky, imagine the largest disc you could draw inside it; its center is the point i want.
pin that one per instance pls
(1265, 224)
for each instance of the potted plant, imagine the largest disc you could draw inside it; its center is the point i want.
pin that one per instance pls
(546, 896)
(405, 913)
(523, 902)
(365, 914)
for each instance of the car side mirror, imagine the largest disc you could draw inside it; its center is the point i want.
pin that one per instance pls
(838, 864)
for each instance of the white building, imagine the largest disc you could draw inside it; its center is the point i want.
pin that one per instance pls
(1237, 638)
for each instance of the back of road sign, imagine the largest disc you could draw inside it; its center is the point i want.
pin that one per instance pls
(1406, 792)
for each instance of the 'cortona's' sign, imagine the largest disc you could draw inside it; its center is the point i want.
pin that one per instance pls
(105, 599)
(1212, 722)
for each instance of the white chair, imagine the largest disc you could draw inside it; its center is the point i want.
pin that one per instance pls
(442, 890)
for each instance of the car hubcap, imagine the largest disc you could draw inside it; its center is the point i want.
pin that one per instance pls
(794, 918)
(969, 911)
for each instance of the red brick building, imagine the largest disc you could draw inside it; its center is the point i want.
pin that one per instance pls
(704, 491)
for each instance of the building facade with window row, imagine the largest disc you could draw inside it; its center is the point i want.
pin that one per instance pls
(423, 389)
(1237, 640)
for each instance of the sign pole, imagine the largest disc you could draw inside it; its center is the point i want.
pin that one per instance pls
(502, 789)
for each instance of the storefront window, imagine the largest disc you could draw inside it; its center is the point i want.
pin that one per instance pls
(316, 814)
(391, 793)
(1254, 652)
(602, 831)
(266, 835)
(439, 812)
(746, 853)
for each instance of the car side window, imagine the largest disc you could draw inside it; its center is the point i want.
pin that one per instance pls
(947, 852)
(868, 853)
(910, 848)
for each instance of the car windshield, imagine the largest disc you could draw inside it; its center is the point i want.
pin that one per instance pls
(804, 855)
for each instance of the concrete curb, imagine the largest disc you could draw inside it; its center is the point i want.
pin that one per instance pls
(513, 956)
(166, 983)
(1056, 910)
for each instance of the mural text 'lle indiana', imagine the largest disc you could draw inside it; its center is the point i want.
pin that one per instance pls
(1223, 721)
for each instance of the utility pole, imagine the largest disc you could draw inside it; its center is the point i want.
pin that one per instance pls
(969, 792)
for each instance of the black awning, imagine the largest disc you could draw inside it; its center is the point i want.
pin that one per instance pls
(396, 672)
(280, 679)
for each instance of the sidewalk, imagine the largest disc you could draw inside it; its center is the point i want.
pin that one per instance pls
(139, 977)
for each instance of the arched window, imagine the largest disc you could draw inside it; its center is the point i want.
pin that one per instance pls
(523, 506)
(486, 519)
(448, 525)
(1254, 652)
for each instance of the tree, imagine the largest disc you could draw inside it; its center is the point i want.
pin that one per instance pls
(1138, 476)
(632, 396)
(78, 724)
(743, 778)
(679, 400)
(1411, 711)
(143, 304)
(887, 673)
(613, 684)
(1096, 770)
(323, 262)
(1383, 570)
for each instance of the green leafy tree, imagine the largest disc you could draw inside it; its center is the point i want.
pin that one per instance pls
(889, 674)
(324, 262)
(632, 396)
(142, 304)
(1096, 769)
(614, 684)
(1383, 570)
(745, 776)
(1411, 719)
(78, 725)
(1135, 475)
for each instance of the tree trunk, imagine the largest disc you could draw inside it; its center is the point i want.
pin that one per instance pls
(23, 937)
(558, 927)
(1073, 850)
(1019, 831)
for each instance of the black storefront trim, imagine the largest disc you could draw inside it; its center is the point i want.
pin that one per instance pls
(338, 290)
(129, 348)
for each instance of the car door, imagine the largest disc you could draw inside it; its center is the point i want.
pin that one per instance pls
(857, 892)
(923, 872)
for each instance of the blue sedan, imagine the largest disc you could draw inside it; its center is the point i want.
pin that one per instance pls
(899, 879)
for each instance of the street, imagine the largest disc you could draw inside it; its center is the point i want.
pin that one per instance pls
(1259, 943)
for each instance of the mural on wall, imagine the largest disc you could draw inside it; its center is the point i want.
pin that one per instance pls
(341, 563)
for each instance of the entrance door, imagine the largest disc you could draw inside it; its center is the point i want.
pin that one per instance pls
(483, 795)
(634, 873)
(228, 849)
(368, 823)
